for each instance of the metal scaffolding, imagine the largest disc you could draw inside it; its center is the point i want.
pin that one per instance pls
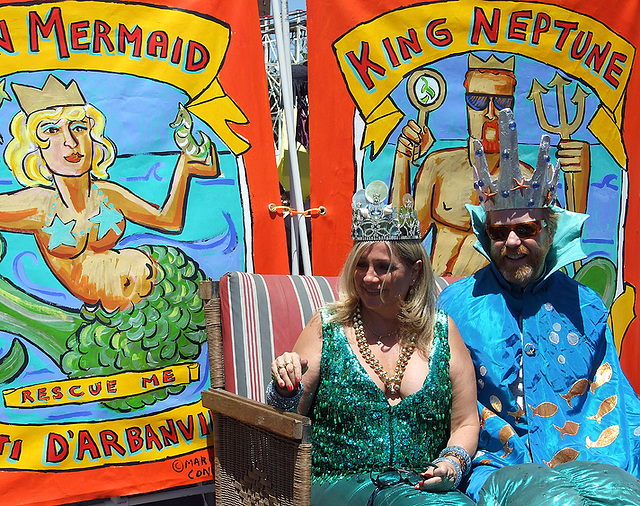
(297, 21)
(287, 83)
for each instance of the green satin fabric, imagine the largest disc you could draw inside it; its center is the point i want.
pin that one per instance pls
(579, 483)
(355, 490)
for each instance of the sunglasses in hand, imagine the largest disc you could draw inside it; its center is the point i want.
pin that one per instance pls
(390, 477)
(525, 230)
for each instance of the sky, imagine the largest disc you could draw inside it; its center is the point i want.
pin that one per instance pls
(297, 4)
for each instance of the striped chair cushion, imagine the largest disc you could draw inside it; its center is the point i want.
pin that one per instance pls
(442, 283)
(262, 316)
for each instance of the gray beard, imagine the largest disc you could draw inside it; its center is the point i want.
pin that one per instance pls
(521, 275)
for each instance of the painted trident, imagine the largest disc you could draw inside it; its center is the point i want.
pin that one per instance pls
(3, 96)
(574, 156)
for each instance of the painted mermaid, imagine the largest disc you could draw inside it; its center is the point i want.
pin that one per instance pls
(141, 309)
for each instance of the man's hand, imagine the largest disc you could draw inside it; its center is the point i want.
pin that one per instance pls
(414, 141)
(575, 162)
(574, 156)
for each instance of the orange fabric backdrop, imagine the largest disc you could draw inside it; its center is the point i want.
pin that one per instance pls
(336, 159)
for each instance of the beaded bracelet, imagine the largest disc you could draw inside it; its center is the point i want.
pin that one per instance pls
(280, 401)
(456, 467)
(461, 454)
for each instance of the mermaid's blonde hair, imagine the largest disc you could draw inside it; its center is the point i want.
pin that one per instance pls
(23, 154)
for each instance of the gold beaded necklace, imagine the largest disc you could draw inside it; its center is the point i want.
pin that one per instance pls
(392, 383)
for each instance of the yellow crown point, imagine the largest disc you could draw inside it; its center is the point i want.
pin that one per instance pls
(53, 94)
(491, 63)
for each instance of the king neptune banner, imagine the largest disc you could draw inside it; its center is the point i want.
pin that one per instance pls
(397, 90)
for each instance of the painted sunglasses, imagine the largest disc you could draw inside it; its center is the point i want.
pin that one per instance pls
(480, 101)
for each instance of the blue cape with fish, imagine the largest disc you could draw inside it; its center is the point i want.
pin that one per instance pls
(576, 402)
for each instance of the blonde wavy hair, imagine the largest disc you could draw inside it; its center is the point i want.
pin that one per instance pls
(23, 154)
(417, 312)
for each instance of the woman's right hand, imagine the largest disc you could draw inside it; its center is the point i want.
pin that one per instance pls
(287, 371)
(439, 478)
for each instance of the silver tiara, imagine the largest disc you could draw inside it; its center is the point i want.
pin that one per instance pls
(373, 220)
(512, 190)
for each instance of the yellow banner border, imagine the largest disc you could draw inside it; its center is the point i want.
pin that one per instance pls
(207, 99)
(116, 386)
(382, 115)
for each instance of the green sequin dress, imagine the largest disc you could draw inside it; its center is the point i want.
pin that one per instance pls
(355, 428)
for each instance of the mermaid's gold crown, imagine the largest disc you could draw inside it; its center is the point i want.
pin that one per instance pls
(53, 94)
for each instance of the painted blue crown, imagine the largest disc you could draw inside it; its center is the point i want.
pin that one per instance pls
(512, 190)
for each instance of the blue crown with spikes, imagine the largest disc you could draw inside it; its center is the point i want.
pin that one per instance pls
(373, 220)
(512, 190)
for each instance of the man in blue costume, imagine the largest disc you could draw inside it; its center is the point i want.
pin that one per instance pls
(558, 416)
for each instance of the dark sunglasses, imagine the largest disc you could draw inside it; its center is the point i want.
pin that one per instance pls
(524, 230)
(480, 101)
(390, 477)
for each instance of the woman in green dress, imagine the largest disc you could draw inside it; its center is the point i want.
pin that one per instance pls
(385, 377)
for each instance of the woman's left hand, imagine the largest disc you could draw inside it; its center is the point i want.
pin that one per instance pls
(438, 479)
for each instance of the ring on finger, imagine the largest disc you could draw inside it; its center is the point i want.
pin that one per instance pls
(287, 362)
(282, 367)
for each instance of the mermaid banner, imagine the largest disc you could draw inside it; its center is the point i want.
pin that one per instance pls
(136, 161)
(396, 91)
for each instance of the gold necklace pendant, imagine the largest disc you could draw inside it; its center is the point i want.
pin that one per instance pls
(379, 337)
(392, 383)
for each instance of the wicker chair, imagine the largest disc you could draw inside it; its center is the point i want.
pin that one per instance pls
(262, 455)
